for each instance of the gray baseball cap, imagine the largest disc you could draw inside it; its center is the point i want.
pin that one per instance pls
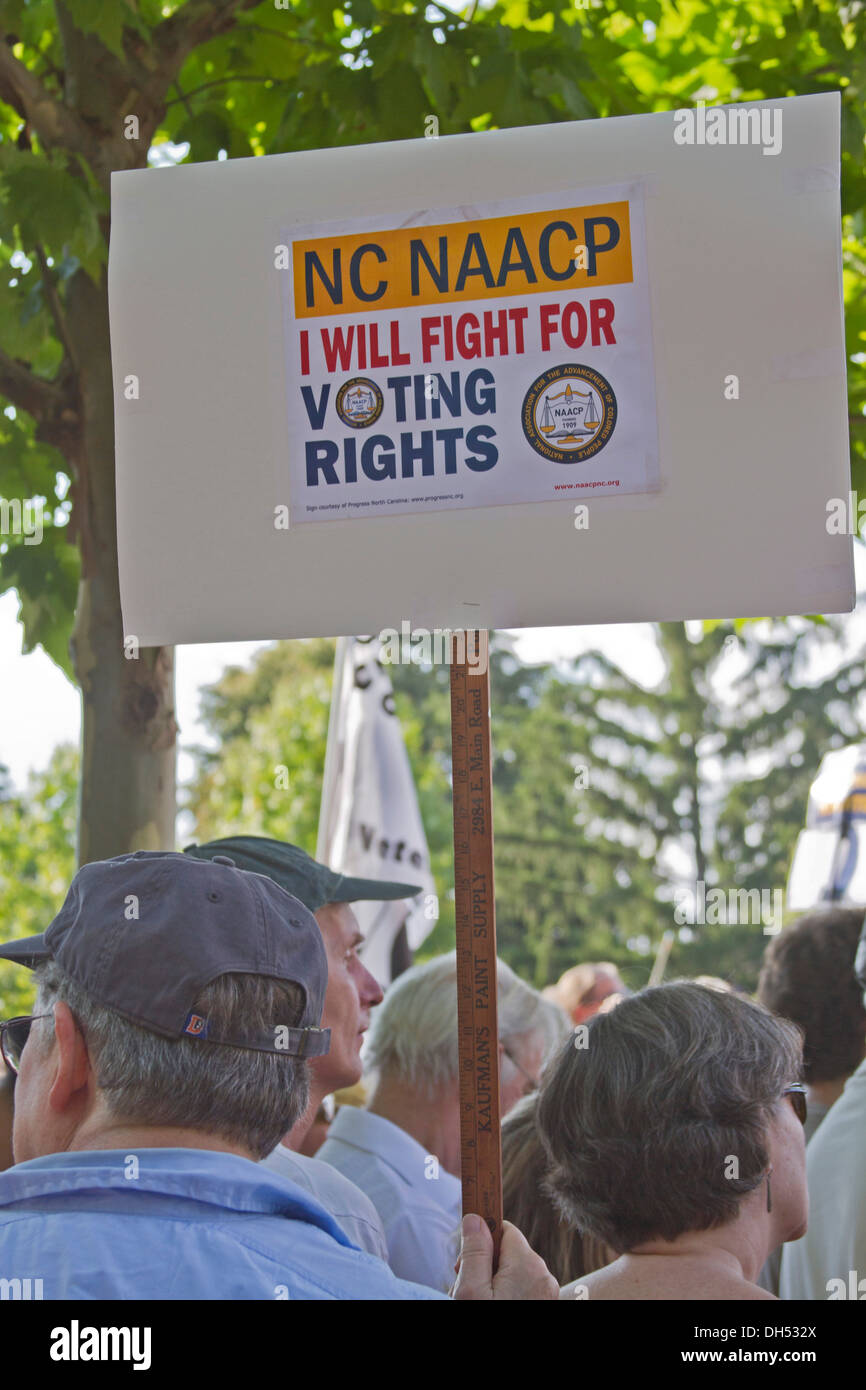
(294, 870)
(144, 934)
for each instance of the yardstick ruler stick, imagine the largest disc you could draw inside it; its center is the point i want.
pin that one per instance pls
(478, 1040)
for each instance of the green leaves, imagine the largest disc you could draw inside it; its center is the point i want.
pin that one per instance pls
(44, 203)
(46, 578)
(107, 19)
(37, 861)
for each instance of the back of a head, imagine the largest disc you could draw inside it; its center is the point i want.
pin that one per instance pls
(525, 1201)
(638, 1118)
(808, 976)
(413, 1037)
(578, 987)
(198, 1005)
(246, 1098)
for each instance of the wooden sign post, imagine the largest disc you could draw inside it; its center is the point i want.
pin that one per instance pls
(478, 1045)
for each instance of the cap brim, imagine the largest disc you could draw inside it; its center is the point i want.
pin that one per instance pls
(31, 951)
(356, 890)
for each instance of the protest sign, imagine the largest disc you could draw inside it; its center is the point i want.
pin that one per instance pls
(454, 393)
(729, 441)
(589, 372)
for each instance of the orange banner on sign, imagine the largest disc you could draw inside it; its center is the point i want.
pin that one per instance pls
(529, 253)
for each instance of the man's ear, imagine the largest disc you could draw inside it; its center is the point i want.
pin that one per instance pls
(71, 1061)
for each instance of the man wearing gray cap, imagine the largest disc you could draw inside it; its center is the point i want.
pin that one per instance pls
(177, 1003)
(352, 992)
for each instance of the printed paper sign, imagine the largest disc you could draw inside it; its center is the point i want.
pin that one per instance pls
(470, 357)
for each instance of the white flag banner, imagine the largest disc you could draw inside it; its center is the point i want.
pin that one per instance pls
(829, 863)
(370, 825)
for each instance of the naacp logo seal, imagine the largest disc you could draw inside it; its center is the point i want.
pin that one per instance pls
(569, 413)
(359, 402)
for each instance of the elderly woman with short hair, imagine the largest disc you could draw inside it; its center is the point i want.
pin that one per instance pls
(675, 1135)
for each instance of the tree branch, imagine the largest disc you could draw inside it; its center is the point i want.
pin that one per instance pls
(217, 82)
(54, 123)
(29, 392)
(55, 305)
(193, 24)
(183, 98)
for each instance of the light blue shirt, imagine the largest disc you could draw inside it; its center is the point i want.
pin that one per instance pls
(418, 1201)
(350, 1207)
(177, 1224)
(829, 1261)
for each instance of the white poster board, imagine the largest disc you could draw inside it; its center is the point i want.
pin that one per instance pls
(710, 496)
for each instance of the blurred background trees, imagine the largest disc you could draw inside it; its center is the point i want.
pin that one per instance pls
(608, 795)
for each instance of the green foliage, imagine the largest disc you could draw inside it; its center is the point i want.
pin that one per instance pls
(37, 862)
(787, 719)
(107, 19)
(608, 796)
(44, 203)
(272, 725)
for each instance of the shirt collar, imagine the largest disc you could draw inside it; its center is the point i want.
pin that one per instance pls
(393, 1146)
(223, 1180)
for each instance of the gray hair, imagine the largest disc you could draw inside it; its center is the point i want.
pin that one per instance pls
(414, 1031)
(243, 1096)
(640, 1125)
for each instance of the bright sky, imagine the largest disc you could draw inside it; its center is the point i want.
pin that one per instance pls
(39, 708)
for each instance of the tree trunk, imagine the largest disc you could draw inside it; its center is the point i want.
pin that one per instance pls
(128, 724)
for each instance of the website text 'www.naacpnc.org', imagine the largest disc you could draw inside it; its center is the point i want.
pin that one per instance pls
(564, 487)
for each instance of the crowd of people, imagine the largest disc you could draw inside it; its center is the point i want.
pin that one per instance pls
(213, 1099)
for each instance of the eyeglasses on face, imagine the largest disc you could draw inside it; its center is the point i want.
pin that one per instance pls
(13, 1039)
(531, 1083)
(797, 1094)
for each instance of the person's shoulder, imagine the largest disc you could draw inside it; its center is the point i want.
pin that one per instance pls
(289, 1164)
(324, 1176)
(837, 1141)
(660, 1279)
(600, 1284)
(342, 1197)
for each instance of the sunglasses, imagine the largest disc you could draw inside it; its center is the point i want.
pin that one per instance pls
(13, 1039)
(797, 1096)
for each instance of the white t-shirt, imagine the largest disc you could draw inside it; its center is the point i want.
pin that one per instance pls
(348, 1205)
(418, 1201)
(834, 1246)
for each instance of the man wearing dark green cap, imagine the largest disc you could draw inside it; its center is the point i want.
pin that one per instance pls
(352, 992)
